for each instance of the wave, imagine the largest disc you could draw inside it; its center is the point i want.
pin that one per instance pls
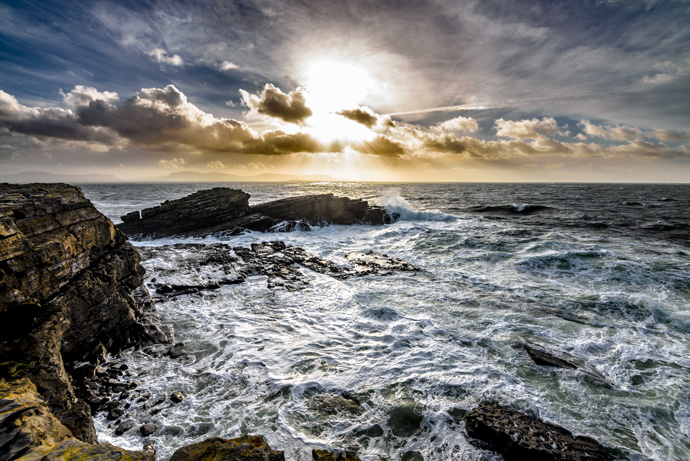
(393, 202)
(523, 209)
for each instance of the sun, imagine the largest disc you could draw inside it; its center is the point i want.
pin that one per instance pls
(334, 85)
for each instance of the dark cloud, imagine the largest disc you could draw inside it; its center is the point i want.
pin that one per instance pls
(362, 115)
(381, 146)
(48, 123)
(291, 107)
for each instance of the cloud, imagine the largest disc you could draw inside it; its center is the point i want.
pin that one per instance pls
(216, 165)
(227, 65)
(161, 56)
(527, 129)
(614, 133)
(49, 122)
(381, 146)
(458, 124)
(291, 107)
(362, 115)
(173, 164)
(666, 135)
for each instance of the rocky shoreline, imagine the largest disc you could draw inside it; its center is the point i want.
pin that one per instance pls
(72, 297)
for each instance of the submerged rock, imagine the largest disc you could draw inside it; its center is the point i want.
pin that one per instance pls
(226, 211)
(247, 447)
(69, 290)
(518, 436)
(541, 356)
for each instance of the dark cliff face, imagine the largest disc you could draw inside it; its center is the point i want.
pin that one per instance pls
(227, 211)
(67, 277)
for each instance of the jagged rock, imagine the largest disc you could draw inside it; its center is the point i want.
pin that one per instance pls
(334, 404)
(518, 436)
(177, 350)
(540, 356)
(211, 266)
(67, 276)
(29, 431)
(200, 210)
(325, 455)
(226, 211)
(247, 447)
(177, 396)
(147, 429)
(124, 427)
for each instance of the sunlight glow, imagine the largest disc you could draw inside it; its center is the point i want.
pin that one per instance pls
(335, 85)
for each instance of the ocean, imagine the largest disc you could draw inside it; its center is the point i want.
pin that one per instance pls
(598, 271)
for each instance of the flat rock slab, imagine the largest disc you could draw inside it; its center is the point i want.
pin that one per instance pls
(518, 436)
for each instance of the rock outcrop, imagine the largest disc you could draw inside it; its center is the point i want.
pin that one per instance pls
(247, 447)
(200, 267)
(29, 431)
(518, 436)
(560, 359)
(70, 289)
(226, 211)
(324, 455)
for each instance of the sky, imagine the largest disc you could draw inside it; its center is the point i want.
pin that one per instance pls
(422, 90)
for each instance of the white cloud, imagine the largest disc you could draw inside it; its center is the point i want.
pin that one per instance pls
(614, 133)
(161, 56)
(459, 124)
(227, 65)
(528, 129)
(216, 165)
(173, 164)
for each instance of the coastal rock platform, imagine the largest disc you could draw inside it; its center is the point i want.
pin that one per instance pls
(225, 211)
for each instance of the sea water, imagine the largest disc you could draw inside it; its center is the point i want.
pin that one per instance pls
(600, 272)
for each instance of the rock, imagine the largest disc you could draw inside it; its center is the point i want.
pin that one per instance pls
(247, 447)
(200, 210)
(177, 396)
(147, 429)
(540, 356)
(518, 436)
(334, 404)
(67, 283)
(115, 413)
(226, 211)
(325, 455)
(199, 429)
(28, 430)
(177, 350)
(207, 267)
(405, 420)
(412, 456)
(124, 427)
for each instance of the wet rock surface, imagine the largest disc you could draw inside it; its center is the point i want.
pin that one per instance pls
(249, 447)
(70, 289)
(28, 430)
(224, 211)
(518, 436)
(560, 359)
(200, 267)
(325, 455)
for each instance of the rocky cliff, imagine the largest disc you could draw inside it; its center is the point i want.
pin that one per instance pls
(67, 292)
(226, 211)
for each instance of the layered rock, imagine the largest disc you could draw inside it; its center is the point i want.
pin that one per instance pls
(201, 210)
(226, 211)
(518, 436)
(29, 431)
(249, 447)
(67, 277)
